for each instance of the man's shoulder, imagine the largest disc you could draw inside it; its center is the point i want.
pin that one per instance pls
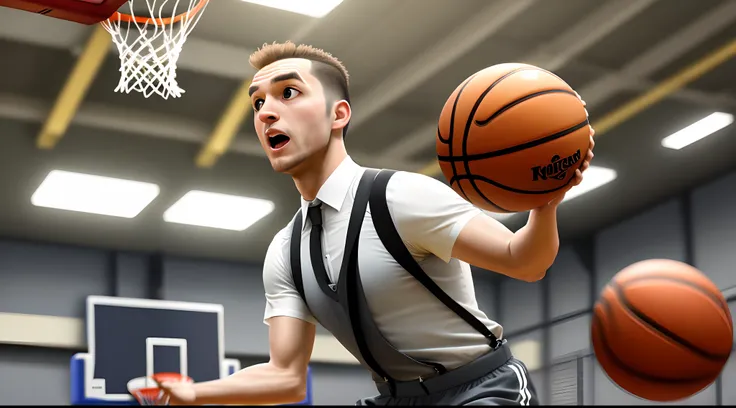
(284, 234)
(410, 186)
(280, 242)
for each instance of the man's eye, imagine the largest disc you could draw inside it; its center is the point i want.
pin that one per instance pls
(290, 93)
(258, 104)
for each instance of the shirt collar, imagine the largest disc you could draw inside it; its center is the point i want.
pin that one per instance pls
(335, 188)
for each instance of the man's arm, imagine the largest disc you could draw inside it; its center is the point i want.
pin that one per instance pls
(525, 255)
(282, 380)
(433, 218)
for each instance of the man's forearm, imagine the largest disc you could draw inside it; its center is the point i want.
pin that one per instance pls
(261, 384)
(535, 245)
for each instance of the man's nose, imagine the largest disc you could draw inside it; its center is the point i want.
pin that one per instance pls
(267, 114)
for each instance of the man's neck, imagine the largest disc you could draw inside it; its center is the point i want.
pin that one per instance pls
(319, 168)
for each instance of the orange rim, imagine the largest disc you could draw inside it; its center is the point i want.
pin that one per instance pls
(159, 21)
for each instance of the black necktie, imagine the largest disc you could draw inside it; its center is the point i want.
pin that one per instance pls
(315, 245)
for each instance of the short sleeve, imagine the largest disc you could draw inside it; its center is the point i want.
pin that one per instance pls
(282, 298)
(428, 214)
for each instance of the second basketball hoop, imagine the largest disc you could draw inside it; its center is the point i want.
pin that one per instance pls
(149, 41)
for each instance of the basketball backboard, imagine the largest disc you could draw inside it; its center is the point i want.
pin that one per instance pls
(131, 338)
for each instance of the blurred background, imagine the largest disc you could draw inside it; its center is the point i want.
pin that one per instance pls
(646, 68)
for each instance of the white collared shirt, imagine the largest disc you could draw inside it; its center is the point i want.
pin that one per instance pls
(429, 216)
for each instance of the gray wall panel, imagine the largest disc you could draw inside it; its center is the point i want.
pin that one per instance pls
(569, 284)
(237, 287)
(48, 279)
(572, 336)
(31, 376)
(132, 275)
(657, 233)
(714, 231)
(521, 304)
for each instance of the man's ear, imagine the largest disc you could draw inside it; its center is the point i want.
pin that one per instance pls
(342, 113)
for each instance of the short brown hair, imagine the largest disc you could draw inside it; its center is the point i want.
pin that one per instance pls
(330, 71)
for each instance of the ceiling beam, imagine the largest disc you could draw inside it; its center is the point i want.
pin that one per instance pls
(560, 51)
(459, 42)
(227, 127)
(663, 54)
(563, 49)
(144, 123)
(665, 88)
(717, 100)
(75, 89)
(415, 142)
(646, 64)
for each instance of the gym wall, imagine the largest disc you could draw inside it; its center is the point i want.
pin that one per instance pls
(699, 228)
(42, 293)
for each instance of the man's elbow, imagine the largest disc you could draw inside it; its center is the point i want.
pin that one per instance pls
(296, 389)
(537, 270)
(533, 275)
(530, 272)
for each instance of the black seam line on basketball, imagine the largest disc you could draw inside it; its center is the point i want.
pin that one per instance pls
(439, 136)
(658, 327)
(469, 123)
(452, 131)
(518, 101)
(514, 149)
(505, 187)
(626, 367)
(712, 297)
(619, 289)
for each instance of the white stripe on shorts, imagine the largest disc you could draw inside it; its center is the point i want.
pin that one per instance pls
(523, 391)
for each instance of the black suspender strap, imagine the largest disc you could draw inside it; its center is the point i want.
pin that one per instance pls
(348, 293)
(295, 254)
(391, 239)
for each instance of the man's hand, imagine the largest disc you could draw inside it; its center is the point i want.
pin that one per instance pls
(178, 393)
(578, 177)
(282, 380)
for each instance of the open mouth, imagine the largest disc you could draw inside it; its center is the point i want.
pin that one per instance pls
(278, 141)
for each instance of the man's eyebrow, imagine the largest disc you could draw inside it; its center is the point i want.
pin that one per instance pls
(279, 78)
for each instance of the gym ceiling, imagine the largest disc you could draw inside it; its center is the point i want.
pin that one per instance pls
(646, 68)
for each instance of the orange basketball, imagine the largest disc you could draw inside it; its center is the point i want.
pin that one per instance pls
(662, 330)
(511, 136)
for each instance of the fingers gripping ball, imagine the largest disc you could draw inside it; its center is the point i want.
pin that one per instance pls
(511, 136)
(662, 330)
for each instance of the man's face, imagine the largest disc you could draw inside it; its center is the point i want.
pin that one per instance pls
(290, 116)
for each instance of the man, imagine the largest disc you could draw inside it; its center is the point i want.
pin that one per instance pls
(382, 261)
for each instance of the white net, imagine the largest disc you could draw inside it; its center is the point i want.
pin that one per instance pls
(149, 44)
(150, 396)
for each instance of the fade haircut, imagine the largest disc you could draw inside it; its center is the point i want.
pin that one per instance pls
(330, 72)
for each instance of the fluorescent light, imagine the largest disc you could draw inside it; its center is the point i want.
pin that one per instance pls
(698, 130)
(593, 178)
(88, 193)
(312, 8)
(216, 210)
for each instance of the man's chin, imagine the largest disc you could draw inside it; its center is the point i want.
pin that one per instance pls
(285, 165)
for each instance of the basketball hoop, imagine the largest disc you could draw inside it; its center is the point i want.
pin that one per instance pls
(149, 47)
(146, 390)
